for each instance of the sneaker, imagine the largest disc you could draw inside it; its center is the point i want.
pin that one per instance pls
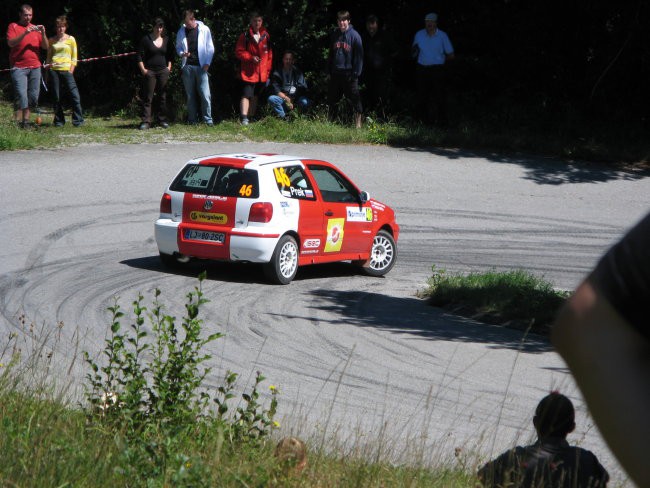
(78, 124)
(58, 124)
(164, 125)
(143, 126)
(210, 124)
(244, 121)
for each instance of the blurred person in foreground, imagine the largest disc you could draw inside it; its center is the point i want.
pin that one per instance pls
(62, 61)
(25, 41)
(291, 452)
(603, 334)
(550, 462)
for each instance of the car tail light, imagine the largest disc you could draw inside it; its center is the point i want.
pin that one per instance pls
(261, 212)
(166, 204)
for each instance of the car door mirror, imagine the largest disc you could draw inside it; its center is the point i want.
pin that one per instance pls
(364, 196)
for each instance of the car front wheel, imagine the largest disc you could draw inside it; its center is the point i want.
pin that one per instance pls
(382, 254)
(284, 263)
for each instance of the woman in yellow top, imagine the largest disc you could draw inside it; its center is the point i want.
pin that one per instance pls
(62, 60)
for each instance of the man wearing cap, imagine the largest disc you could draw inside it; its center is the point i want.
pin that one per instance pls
(431, 48)
(551, 461)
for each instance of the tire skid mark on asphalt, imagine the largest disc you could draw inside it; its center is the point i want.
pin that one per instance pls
(38, 251)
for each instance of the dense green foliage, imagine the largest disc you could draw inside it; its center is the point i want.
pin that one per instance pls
(577, 68)
(516, 298)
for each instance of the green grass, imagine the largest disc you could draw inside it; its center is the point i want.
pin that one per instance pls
(507, 136)
(50, 444)
(516, 299)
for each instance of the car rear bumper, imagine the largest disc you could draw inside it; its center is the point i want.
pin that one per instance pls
(245, 246)
(166, 232)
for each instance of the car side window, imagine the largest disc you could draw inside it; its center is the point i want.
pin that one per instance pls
(333, 186)
(293, 182)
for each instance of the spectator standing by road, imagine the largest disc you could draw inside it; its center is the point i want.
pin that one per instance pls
(432, 49)
(345, 66)
(62, 58)
(551, 462)
(155, 64)
(255, 54)
(379, 52)
(25, 42)
(288, 87)
(195, 47)
(603, 334)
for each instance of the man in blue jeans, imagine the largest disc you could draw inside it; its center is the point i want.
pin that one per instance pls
(194, 45)
(25, 42)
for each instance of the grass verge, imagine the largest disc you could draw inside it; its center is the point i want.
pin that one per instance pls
(625, 150)
(516, 299)
(148, 419)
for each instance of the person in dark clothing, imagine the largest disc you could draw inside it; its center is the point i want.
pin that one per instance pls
(379, 52)
(345, 65)
(551, 462)
(155, 62)
(603, 334)
(288, 87)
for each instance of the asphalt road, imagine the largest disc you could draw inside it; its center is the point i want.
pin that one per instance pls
(357, 359)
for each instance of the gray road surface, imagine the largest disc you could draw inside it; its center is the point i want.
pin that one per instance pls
(356, 358)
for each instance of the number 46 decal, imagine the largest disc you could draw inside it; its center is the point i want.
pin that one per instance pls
(246, 190)
(281, 177)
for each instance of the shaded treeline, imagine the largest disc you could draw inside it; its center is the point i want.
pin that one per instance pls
(550, 59)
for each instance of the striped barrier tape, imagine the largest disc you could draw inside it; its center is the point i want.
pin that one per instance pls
(87, 60)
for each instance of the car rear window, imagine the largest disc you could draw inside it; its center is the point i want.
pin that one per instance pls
(224, 181)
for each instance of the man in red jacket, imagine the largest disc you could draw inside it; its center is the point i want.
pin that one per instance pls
(254, 51)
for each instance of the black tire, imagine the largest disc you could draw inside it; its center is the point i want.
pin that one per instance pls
(382, 255)
(171, 260)
(284, 263)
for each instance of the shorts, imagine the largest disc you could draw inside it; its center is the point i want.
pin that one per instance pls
(250, 90)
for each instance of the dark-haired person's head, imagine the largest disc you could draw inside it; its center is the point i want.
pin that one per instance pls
(554, 416)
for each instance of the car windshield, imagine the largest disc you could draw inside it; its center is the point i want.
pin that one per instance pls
(224, 181)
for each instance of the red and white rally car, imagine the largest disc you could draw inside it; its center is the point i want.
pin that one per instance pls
(282, 211)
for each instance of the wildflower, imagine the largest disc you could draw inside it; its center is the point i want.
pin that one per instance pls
(273, 388)
(188, 465)
(276, 424)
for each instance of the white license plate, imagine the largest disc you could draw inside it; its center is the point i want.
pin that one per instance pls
(204, 235)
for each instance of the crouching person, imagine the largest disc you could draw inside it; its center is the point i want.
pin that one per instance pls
(288, 87)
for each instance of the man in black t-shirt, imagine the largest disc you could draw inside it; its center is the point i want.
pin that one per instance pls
(551, 462)
(603, 333)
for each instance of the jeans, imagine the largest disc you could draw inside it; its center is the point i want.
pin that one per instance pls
(57, 78)
(196, 81)
(27, 86)
(154, 83)
(278, 105)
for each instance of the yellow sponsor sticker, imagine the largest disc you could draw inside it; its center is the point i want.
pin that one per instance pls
(210, 218)
(334, 235)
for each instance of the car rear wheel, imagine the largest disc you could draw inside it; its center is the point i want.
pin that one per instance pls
(173, 260)
(382, 254)
(284, 263)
